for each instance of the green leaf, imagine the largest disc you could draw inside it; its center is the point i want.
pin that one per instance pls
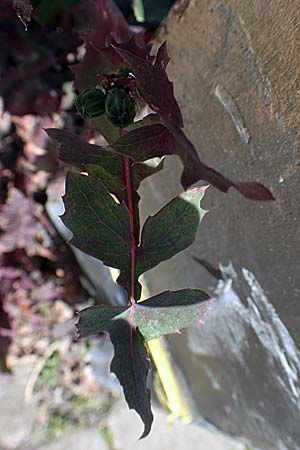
(157, 140)
(165, 313)
(112, 179)
(106, 128)
(95, 319)
(75, 151)
(129, 328)
(131, 365)
(130, 362)
(169, 312)
(114, 182)
(140, 171)
(146, 142)
(150, 119)
(171, 230)
(152, 80)
(102, 163)
(100, 226)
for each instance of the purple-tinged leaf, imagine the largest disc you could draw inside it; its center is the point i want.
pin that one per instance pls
(106, 128)
(146, 142)
(75, 151)
(150, 119)
(157, 140)
(131, 365)
(95, 319)
(165, 313)
(171, 230)
(152, 80)
(130, 362)
(102, 163)
(196, 170)
(100, 226)
(20, 227)
(129, 328)
(114, 181)
(23, 9)
(86, 71)
(168, 312)
(106, 25)
(162, 57)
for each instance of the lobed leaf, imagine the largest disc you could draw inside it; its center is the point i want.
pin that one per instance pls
(152, 79)
(195, 170)
(170, 231)
(105, 24)
(106, 128)
(130, 327)
(157, 140)
(157, 90)
(131, 364)
(100, 226)
(165, 313)
(95, 319)
(169, 312)
(102, 163)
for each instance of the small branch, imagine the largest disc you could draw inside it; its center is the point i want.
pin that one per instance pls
(129, 193)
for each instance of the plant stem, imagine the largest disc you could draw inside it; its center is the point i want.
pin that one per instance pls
(129, 193)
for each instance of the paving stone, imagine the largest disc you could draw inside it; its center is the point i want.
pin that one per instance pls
(17, 418)
(126, 427)
(90, 439)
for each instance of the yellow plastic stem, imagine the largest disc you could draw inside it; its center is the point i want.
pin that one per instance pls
(176, 400)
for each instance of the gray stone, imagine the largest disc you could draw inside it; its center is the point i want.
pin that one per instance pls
(234, 67)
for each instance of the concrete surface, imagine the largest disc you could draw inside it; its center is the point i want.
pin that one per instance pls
(78, 440)
(17, 418)
(125, 427)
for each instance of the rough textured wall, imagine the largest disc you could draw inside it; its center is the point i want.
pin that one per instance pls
(235, 66)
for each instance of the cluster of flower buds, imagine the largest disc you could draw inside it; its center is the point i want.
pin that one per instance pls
(115, 98)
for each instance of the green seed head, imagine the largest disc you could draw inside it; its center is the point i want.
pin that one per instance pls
(120, 108)
(90, 103)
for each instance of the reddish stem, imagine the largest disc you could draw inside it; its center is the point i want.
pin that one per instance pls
(129, 192)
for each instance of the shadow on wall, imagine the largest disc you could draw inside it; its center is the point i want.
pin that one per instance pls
(247, 365)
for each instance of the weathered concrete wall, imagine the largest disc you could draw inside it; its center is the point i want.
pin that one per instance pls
(235, 66)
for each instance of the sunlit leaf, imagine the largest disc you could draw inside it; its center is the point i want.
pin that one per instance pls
(171, 230)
